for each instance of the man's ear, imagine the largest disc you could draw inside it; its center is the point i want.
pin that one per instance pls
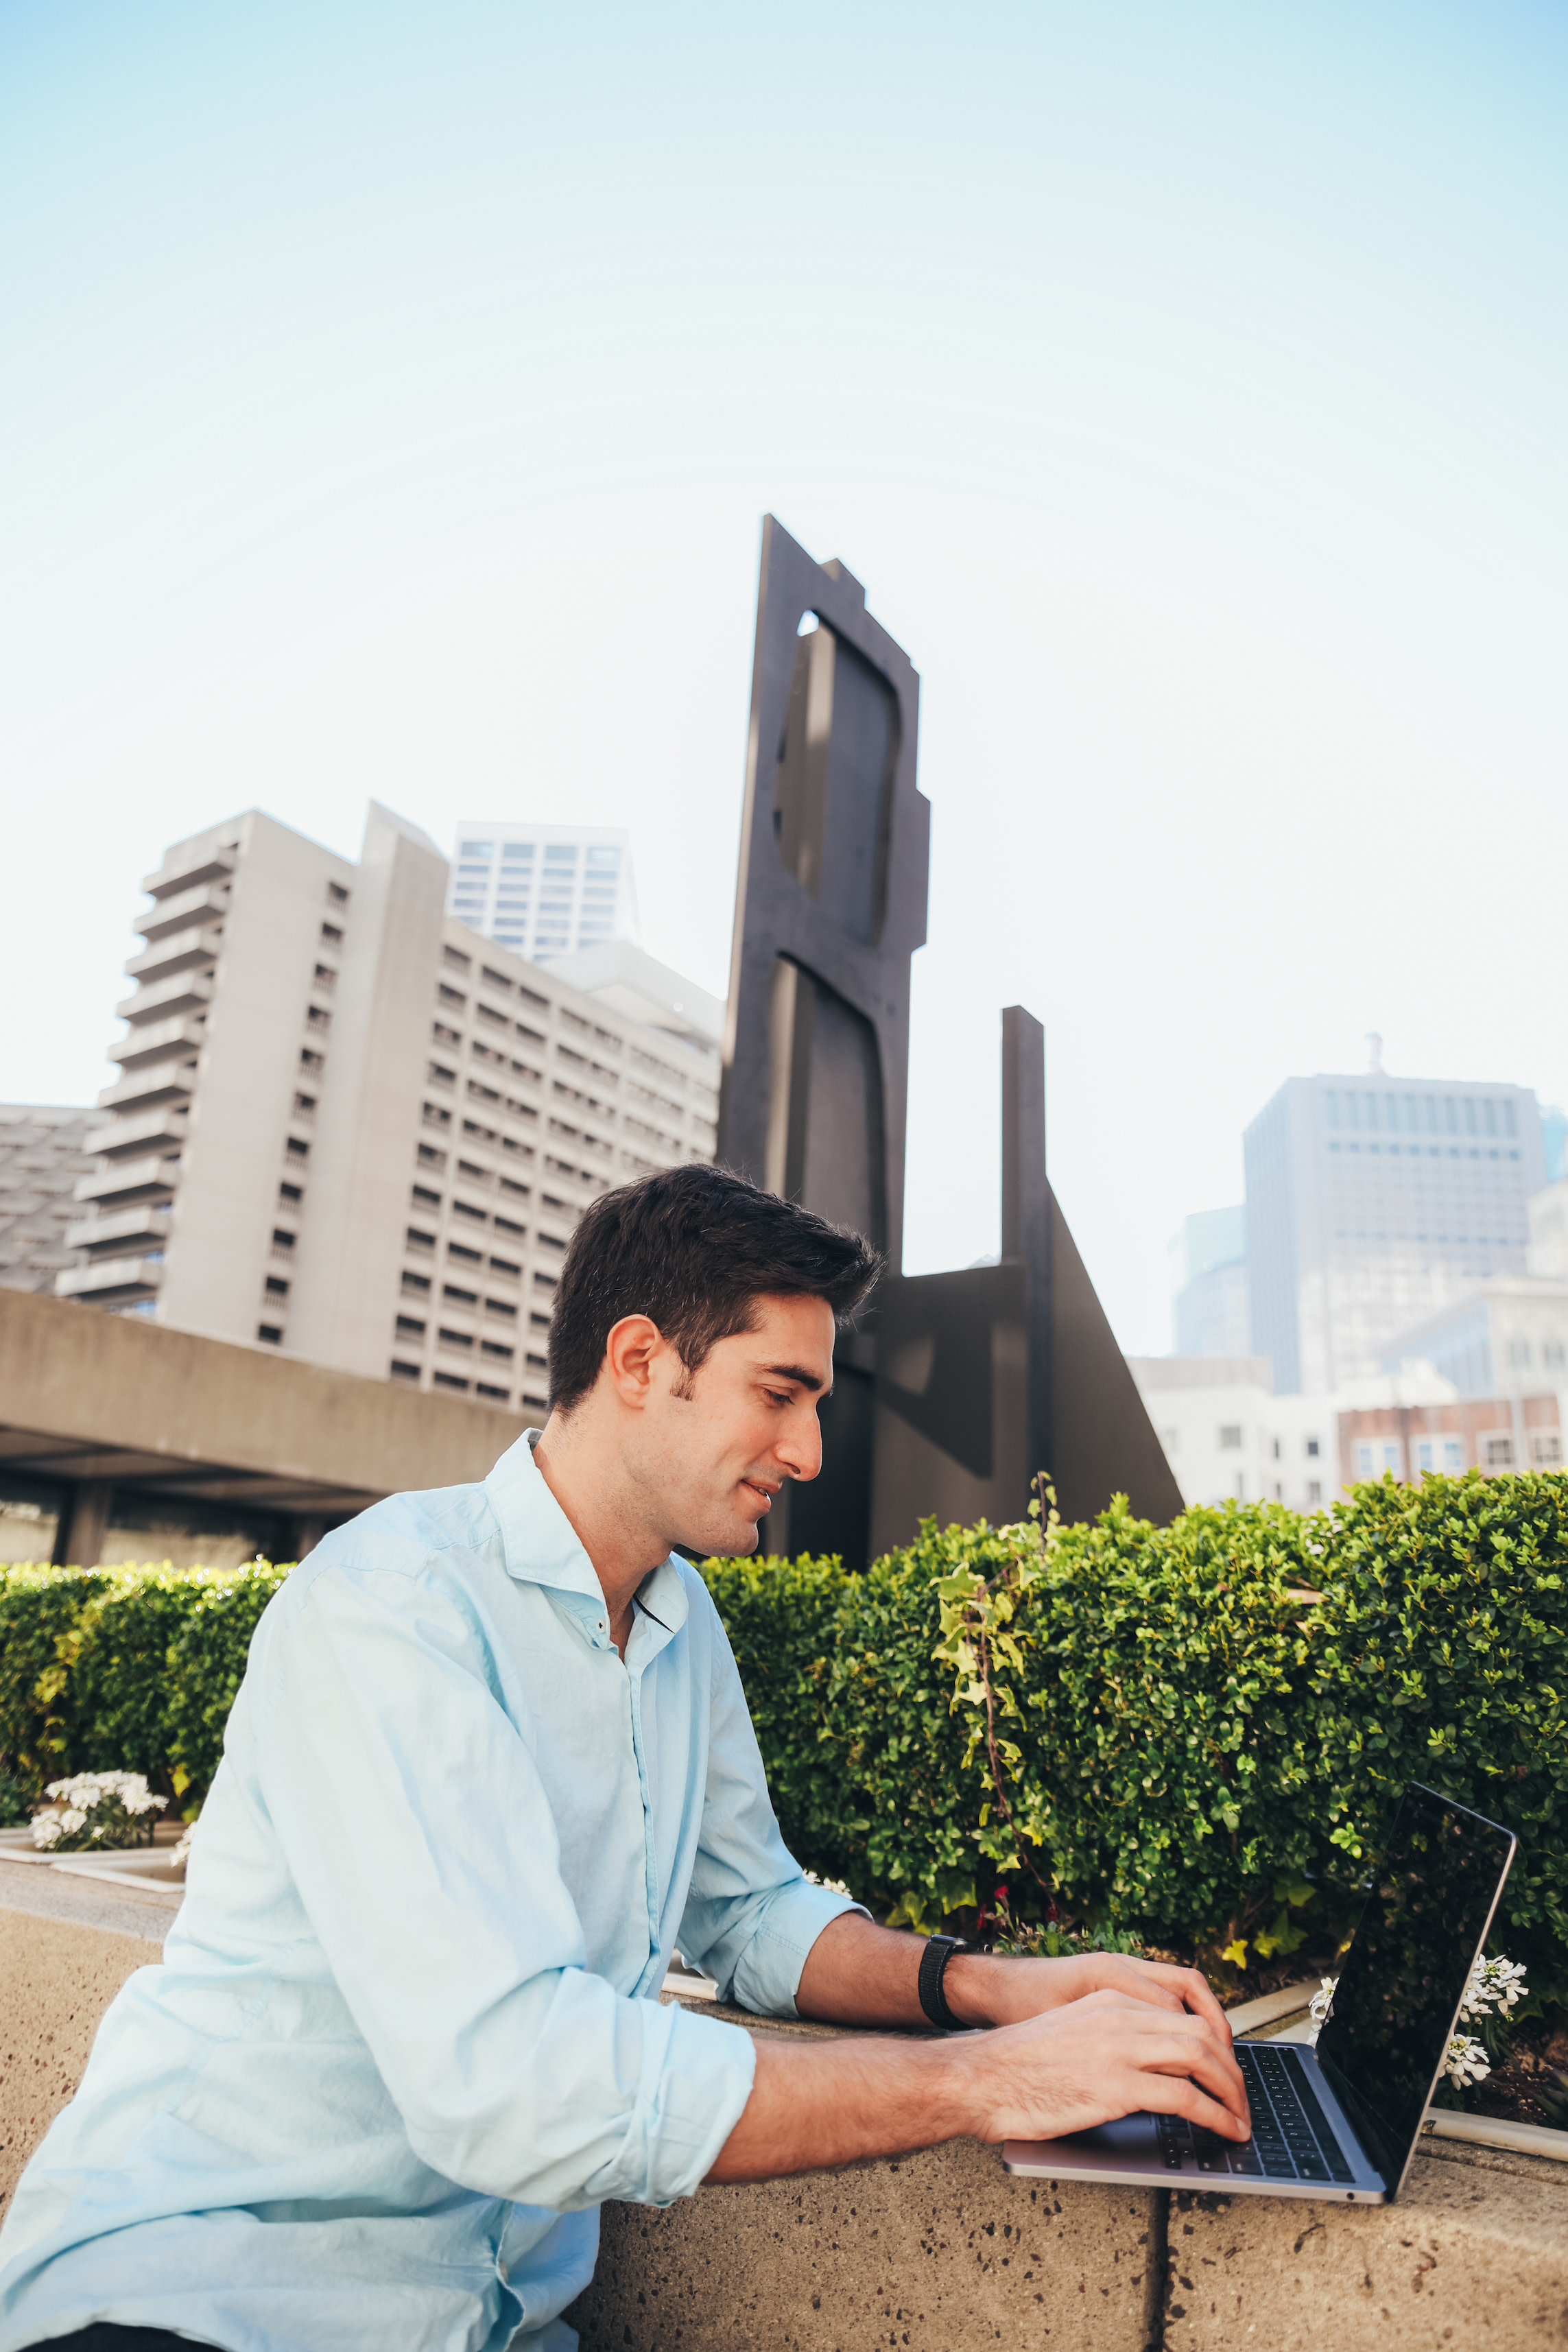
(629, 1352)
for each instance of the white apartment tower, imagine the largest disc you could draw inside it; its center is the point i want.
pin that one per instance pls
(350, 1129)
(543, 889)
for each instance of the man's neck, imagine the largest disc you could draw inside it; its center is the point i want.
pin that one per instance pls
(607, 1515)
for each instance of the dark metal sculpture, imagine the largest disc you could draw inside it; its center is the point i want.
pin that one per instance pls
(958, 1387)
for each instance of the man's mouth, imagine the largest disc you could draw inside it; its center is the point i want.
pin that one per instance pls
(763, 1494)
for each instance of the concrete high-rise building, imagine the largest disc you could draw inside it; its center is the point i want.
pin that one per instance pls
(42, 1155)
(1372, 1202)
(543, 889)
(1209, 1310)
(350, 1129)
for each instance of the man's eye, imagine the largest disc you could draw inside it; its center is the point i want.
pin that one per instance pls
(778, 1396)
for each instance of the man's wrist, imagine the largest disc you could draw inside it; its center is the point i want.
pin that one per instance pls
(968, 1982)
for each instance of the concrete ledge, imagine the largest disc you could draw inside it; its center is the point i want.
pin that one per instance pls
(1475, 2253)
(937, 2251)
(58, 1978)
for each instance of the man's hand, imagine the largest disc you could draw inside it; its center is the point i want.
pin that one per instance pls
(984, 1990)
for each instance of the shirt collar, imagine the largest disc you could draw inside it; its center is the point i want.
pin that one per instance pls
(540, 1545)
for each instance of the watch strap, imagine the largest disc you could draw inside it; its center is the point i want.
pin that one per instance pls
(938, 1950)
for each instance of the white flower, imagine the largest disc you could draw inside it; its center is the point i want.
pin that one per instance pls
(71, 1820)
(1494, 1984)
(46, 1829)
(181, 1852)
(1322, 2001)
(829, 1885)
(1466, 2062)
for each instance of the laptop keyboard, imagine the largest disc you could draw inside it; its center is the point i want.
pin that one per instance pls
(1291, 2136)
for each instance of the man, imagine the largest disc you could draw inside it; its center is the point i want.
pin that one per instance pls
(490, 1762)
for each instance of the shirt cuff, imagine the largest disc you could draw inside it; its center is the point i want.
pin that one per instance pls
(697, 2076)
(767, 1974)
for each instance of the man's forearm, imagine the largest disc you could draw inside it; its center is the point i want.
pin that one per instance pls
(825, 2103)
(858, 1974)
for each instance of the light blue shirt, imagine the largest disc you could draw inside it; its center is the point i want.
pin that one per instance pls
(406, 2034)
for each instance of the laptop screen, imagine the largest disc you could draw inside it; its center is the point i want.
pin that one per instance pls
(1415, 1940)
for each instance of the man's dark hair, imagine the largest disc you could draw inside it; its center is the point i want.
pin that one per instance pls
(692, 1248)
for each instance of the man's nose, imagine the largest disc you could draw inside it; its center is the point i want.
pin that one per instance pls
(801, 1449)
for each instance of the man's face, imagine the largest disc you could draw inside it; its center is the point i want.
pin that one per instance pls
(717, 1445)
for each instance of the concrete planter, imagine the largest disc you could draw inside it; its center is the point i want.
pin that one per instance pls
(943, 2251)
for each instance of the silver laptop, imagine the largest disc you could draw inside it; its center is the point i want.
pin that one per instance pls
(1342, 2119)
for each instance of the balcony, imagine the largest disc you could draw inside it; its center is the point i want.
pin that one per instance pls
(185, 871)
(158, 1043)
(190, 909)
(164, 1000)
(132, 1181)
(111, 1282)
(127, 1232)
(122, 1139)
(187, 950)
(167, 1086)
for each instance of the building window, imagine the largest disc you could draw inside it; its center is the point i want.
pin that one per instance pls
(275, 1286)
(430, 1158)
(449, 1338)
(1276, 1449)
(1551, 1355)
(410, 1327)
(1229, 1434)
(271, 1333)
(451, 1380)
(1314, 1490)
(1393, 1456)
(415, 1286)
(496, 1348)
(400, 1372)
(1452, 1453)
(331, 937)
(1497, 1452)
(488, 1389)
(1518, 1354)
(1546, 1448)
(290, 1195)
(337, 894)
(1364, 1461)
(459, 1297)
(1312, 1449)
(298, 1147)
(282, 1243)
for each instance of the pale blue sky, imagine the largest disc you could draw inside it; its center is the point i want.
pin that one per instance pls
(390, 397)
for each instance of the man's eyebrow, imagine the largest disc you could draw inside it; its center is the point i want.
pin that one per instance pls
(795, 1372)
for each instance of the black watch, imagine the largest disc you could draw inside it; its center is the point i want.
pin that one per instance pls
(938, 1950)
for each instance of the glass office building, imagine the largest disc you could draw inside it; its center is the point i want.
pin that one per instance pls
(544, 891)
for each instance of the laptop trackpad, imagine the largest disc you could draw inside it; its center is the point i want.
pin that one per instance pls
(1129, 2135)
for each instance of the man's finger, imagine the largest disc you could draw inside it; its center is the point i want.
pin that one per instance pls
(1173, 2096)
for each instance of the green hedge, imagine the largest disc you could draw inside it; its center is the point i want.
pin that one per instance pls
(1197, 1731)
(134, 1669)
(1185, 1743)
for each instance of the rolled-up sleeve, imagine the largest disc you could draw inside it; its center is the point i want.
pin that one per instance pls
(751, 1914)
(403, 1793)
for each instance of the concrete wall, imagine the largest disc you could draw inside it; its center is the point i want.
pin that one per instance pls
(56, 1978)
(943, 2251)
(132, 1387)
